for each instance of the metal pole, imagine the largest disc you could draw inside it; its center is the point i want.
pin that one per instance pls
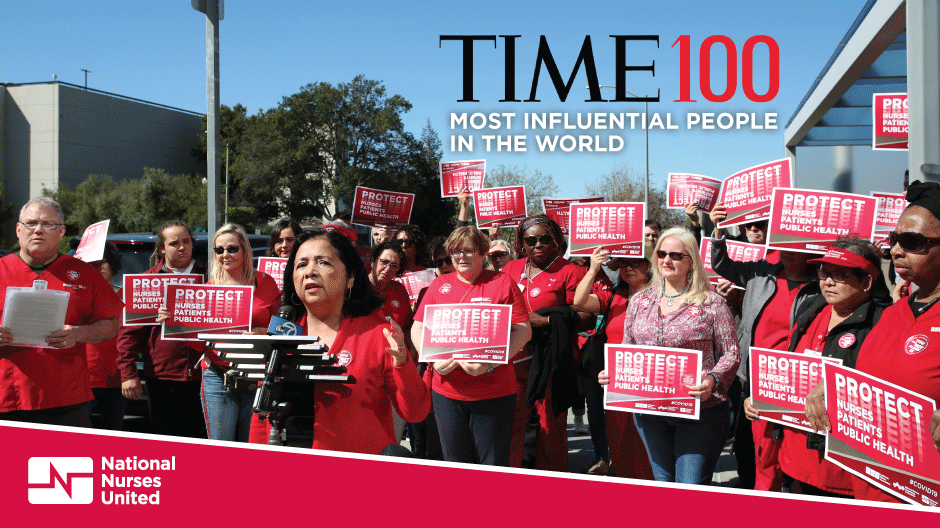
(212, 115)
(86, 77)
(226, 183)
(646, 140)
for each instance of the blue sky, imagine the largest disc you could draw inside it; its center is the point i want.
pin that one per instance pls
(156, 51)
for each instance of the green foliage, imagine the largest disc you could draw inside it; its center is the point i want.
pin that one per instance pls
(623, 184)
(243, 216)
(537, 185)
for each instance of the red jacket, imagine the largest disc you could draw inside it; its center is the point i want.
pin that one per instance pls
(166, 360)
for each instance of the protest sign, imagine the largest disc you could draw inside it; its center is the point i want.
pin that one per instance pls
(206, 309)
(273, 266)
(746, 194)
(416, 281)
(457, 175)
(615, 226)
(780, 382)
(889, 121)
(91, 247)
(809, 221)
(890, 207)
(557, 209)
(143, 294)
(468, 332)
(880, 433)
(737, 251)
(374, 207)
(652, 380)
(682, 189)
(505, 206)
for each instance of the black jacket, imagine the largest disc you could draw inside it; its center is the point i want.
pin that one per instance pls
(553, 356)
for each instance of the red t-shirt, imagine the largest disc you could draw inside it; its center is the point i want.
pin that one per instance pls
(489, 288)
(773, 326)
(33, 378)
(890, 353)
(553, 286)
(397, 304)
(357, 417)
(798, 461)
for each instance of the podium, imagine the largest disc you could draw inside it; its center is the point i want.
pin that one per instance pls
(271, 360)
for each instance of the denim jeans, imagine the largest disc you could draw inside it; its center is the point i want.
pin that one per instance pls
(682, 450)
(110, 405)
(477, 432)
(228, 417)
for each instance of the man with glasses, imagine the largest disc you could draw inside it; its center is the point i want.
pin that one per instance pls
(49, 384)
(499, 254)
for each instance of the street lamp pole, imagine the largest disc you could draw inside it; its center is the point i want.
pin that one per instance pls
(646, 145)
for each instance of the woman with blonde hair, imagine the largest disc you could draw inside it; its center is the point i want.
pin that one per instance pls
(678, 310)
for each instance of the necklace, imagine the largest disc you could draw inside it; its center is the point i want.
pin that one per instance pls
(672, 297)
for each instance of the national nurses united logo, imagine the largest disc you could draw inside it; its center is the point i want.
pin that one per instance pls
(846, 340)
(74, 275)
(445, 288)
(344, 358)
(60, 480)
(916, 344)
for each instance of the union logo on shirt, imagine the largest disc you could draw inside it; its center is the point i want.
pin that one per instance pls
(74, 274)
(535, 292)
(916, 344)
(344, 358)
(695, 311)
(445, 287)
(395, 303)
(846, 340)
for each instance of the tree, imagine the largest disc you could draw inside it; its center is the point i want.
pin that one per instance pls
(625, 185)
(537, 185)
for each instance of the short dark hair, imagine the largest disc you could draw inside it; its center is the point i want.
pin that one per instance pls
(112, 255)
(421, 241)
(281, 224)
(391, 246)
(653, 224)
(157, 256)
(362, 300)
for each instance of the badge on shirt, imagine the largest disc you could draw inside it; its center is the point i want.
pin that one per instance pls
(916, 344)
(534, 292)
(344, 358)
(846, 340)
(445, 288)
(74, 274)
(395, 303)
(695, 311)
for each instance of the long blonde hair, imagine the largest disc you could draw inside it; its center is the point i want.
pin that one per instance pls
(698, 283)
(217, 274)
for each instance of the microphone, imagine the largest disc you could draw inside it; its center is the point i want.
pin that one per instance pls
(283, 323)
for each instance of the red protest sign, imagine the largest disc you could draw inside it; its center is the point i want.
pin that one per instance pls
(889, 121)
(457, 175)
(500, 205)
(557, 209)
(780, 382)
(416, 281)
(682, 189)
(206, 309)
(91, 247)
(880, 432)
(374, 207)
(746, 194)
(809, 221)
(652, 380)
(890, 207)
(737, 251)
(274, 267)
(615, 226)
(143, 294)
(471, 332)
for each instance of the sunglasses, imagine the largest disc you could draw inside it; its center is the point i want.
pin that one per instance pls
(836, 276)
(498, 255)
(910, 241)
(441, 262)
(406, 242)
(231, 249)
(389, 264)
(634, 263)
(674, 255)
(544, 239)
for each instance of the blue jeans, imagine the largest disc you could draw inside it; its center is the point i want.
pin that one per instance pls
(228, 417)
(476, 432)
(682, 450)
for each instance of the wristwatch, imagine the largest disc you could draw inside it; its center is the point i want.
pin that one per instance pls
(717, 381)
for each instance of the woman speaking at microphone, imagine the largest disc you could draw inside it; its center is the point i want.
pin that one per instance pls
(679, 310)
(328, 284)
(228, 415)
(474, 402)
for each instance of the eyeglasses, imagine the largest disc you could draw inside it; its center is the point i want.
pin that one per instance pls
(545, 239)
(836, 276)
(389, 264)
(498, 255)
(910, 241)
(231, 250)
(466, 252)
(406, 242)
(674, 255)
(32, 225)
(441, 262)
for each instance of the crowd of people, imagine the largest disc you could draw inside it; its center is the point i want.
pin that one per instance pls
(562, 312)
